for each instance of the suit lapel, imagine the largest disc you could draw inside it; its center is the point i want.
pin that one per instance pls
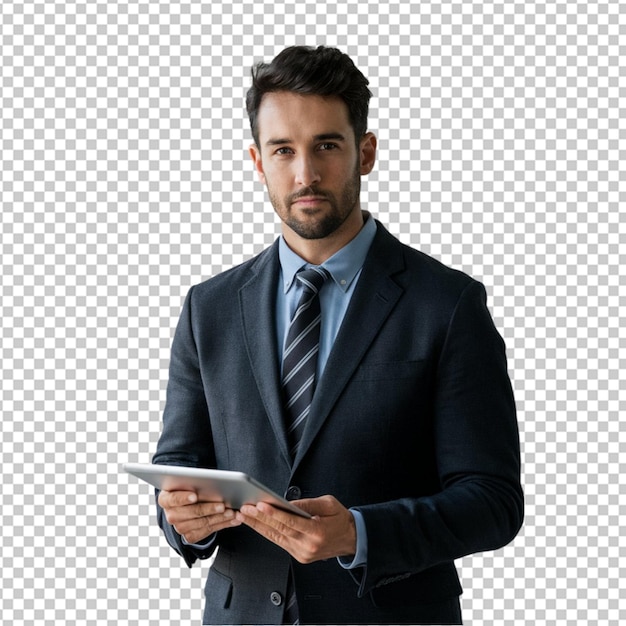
(374, 298)
(257, 302)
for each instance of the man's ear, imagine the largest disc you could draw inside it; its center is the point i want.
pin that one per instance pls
(367, 153)
(255, 154)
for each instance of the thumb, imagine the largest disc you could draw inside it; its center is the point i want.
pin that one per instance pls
(322, 506)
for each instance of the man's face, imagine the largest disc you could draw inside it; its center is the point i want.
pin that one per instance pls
(309, 160)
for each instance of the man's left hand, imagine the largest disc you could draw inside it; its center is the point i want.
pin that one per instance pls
(331, 532)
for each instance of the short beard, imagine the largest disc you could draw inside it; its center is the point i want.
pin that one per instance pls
(325, 227)
(331, 221)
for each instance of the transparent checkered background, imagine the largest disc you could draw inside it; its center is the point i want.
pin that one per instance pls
(125, 179)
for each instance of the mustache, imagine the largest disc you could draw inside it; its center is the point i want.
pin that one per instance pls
(309, 191)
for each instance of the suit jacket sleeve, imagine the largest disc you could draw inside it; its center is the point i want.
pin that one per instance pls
(480, 504)
(186, 436)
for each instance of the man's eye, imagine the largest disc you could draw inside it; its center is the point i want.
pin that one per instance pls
(283, 151)
(328, 146)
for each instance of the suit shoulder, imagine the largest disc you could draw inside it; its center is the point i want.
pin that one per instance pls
(439, 290)
(408, 263)
(425, 272)
(430, 267)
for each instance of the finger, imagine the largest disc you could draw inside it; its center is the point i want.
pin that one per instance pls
(203, 509)
(203, 512)
(323, 506)
(208, 524)
(200, 535)
(205, 526)
(269, 532)
(267, 514)
(282, 516)
(169, 499)
(274, 524)
(173, 499)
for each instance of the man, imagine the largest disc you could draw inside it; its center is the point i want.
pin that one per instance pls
(407, 452)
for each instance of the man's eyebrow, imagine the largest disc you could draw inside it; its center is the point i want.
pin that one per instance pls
(322, 137)
(277, 142)
(329, 137)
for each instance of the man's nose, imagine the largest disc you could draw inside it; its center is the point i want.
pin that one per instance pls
(307, 173)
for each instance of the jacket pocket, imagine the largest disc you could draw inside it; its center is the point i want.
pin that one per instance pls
(432, 585)
(218, 589)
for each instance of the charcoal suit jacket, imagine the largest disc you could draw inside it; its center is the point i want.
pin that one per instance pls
(413, 423)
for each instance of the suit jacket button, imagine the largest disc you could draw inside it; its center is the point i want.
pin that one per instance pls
(276, 598)
(293, 493)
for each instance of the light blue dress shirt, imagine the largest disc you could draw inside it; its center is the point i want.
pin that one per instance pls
(345, 268)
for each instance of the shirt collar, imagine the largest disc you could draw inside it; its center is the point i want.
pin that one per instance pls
(343, 266)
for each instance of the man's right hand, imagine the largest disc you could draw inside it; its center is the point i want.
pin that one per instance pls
(195, 520)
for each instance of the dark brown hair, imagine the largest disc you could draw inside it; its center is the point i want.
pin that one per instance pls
(318, 71)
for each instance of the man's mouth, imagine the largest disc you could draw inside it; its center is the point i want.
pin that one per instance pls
(309, 200)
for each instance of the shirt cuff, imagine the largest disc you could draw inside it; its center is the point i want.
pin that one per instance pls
(203, 545)
(360, 558)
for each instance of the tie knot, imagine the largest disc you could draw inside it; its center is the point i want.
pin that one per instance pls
(313, 278)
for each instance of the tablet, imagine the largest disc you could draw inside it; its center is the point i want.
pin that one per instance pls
(233, 488)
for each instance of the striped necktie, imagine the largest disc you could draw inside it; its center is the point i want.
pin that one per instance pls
(300, 354)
